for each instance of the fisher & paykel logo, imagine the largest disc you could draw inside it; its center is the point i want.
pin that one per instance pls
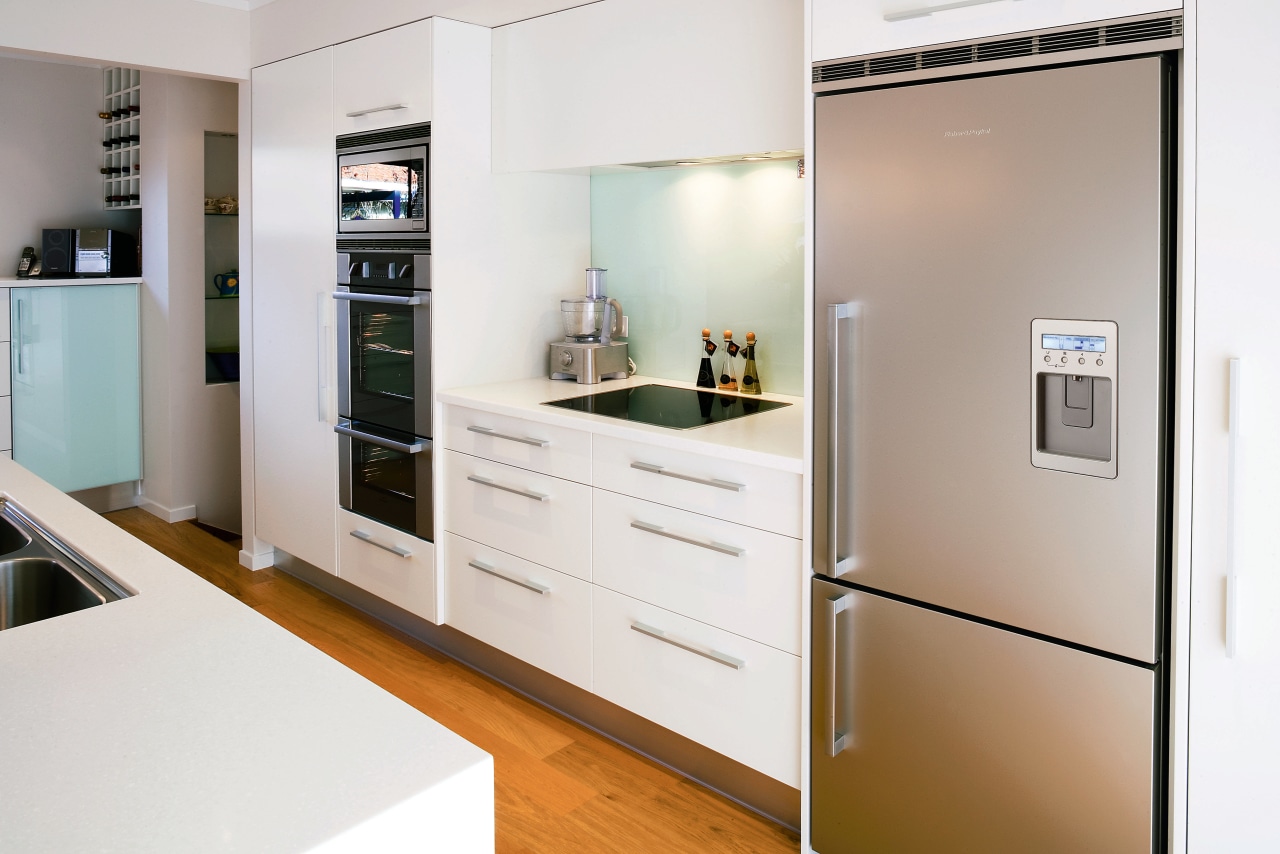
(973, 132)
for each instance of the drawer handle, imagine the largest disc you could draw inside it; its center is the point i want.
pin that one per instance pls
(705, 652)
(484, 481)
(524, 440)
(926, 11)
(368, 538)
(705, 481)
(732, 551)
(527, 585)
(385, 109)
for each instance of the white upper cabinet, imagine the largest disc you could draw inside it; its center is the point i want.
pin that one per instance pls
(855, 27)
(383, 80)
(634, 81)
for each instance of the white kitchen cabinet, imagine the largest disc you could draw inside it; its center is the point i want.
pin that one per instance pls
(383, 80)
(295, 448)
(643, 80)
(550, 449)
(736, 696)
(534, 613)
(389, 563)
(740, 579)
(844, 28)
(534, 516)
(748, 494)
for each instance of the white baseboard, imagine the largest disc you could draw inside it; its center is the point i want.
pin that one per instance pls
(169, 514)
(262, 560)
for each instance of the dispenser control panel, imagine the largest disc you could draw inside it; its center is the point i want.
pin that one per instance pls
(1074, 395)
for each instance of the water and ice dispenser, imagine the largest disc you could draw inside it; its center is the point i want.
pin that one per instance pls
(1073, 395)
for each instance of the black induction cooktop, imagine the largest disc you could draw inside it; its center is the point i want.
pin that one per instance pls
(667, 406)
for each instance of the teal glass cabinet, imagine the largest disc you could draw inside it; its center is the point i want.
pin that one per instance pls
(76, 377)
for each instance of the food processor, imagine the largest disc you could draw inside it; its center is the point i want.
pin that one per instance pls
(588, 353)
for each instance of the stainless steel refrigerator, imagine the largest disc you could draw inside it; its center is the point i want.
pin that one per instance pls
(993, 306)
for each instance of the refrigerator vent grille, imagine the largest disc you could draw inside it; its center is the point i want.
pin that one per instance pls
(1125, 32)
(377, 137)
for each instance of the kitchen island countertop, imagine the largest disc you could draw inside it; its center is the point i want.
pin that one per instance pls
(181, 720)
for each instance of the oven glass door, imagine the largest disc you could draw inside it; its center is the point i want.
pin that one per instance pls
(387, 350)
(383, 190)
(386, 476)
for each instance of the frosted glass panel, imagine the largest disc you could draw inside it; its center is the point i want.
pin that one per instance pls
(77, 419)
(716, 246)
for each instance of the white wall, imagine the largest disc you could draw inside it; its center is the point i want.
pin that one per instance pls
(188, 429)
(1235, 703)
(50, 153)
(630, 81)
(178, 35)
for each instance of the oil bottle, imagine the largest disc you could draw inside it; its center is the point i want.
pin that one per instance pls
(750, 375)
(706, 376)
(728, 376)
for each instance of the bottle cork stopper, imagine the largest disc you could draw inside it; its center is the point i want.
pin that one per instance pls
(728, 333)
(706, 333)
(751, 338)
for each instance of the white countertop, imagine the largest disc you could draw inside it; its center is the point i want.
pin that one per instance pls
(181, 720)
(14, 282)
(774, 438)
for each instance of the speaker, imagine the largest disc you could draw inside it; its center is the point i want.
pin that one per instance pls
(59, 253)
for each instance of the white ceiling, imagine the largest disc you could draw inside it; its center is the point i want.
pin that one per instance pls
(485, 13)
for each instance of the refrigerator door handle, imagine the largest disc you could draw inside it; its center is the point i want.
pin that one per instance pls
(836, 740)
(836, 382)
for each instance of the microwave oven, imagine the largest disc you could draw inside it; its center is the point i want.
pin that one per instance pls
(383, 181)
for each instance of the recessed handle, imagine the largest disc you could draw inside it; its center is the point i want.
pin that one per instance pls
(653, 468)
(484, 481)
(368, 538)
(1231, 629)
(926, 11)
(524, 440)
(649, 527)
(384, 109)
(540, 589)
(706, 652)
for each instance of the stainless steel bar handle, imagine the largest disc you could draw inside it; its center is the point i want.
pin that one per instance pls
(384, 109)
(368, 538)
(323, 334)
(484, 481)
(706, 652)
(835, 314)
(540, 589)
(345, 428)
(926, 11)
(653, 468)
(524, 440)
(1231, 628)
(381, 298)
(836, 741)
(649, 527)
(18, 338)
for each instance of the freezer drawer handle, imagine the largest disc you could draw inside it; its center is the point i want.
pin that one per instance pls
(926, 11)
(707, 652)
(368, 538)
(541, 589)
(705, 481)
(836, 741)
(484, 481)
(524, 440)
(649, 527)
(345, 428)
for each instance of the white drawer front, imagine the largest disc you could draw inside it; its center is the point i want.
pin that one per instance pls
(372, 557)
(4, 314)
(5, 378)
(534, 516)
(526, 610)
(690, 682)
(6, 424)
(748, 494)
(560, 451)
(743, 580)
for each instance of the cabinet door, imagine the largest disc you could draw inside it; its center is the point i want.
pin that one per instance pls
(295, 448)
(842, 28)
(383, 80)
(77, 417)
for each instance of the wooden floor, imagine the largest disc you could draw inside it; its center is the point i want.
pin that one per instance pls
(559, 788)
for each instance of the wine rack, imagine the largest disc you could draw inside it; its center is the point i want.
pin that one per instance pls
(121, 137)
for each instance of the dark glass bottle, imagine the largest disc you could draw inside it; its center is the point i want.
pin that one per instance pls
(706, 375)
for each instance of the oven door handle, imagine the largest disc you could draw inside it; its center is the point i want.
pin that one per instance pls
(390, 300)
(345, 428)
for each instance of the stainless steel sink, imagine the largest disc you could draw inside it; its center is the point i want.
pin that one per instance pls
(40, 577)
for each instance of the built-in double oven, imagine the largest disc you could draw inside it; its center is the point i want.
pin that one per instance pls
(383, 299)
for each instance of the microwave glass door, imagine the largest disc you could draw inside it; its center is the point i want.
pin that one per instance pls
(383, 190)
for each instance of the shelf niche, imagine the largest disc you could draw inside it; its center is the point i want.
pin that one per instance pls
(221, 257)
